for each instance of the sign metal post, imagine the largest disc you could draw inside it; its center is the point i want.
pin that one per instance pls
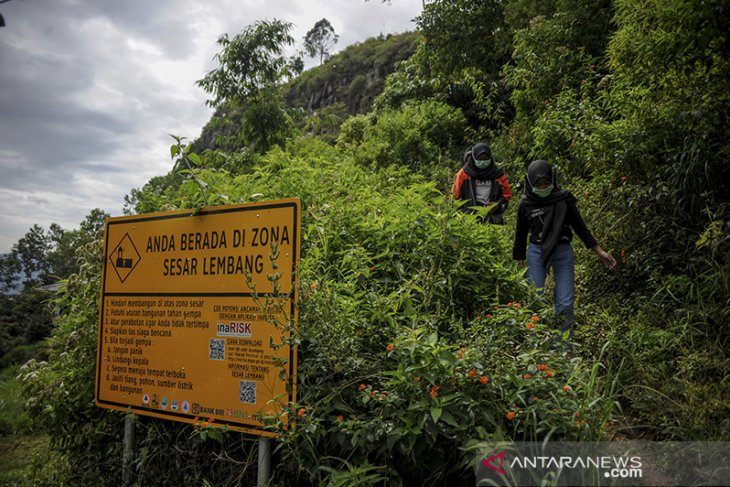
(128, 455)
(264, 463)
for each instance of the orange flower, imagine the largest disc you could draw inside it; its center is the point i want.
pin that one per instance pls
(372, 394)
(484, 379)
(390, 347)
(204, 424)
(577, 414)
(511, 415)
(488, 315)
(340, 418)
(313, 286)
(566, 388)
(417, 379)
(517, 305)
(301, 412)
(371, 269)
(435, 391)
(509, 305)
(361, 387)
(535, 398)
(460, 354)
(479, 317)
(535, 318)
(526, 376)
(550, 373)
(543, 367)
(472, 373)
(530, 326)
(623, 179)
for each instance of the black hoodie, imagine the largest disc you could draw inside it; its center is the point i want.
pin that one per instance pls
(548, 220)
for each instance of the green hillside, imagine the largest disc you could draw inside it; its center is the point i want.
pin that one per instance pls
(352, 77)
(345, 84)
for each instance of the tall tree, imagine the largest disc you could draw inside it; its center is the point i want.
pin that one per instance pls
(297, 64)
(251, 67)
(559, 48)
(320, 40)
(62, 258)
(465, 45)
(41, 256)
(92, 226)
(9, 271)
(31, 252)
(463, 34)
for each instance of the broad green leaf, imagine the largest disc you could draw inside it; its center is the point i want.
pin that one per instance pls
(449, 419)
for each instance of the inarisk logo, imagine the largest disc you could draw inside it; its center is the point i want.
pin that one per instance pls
(488, 462)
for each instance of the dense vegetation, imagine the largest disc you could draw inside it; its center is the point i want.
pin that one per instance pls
(419, 336)
(27, 273)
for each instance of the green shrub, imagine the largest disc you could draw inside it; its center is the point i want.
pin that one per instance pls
(352, 130)
(423, 137)
(22, 353)
(386, 260)
(14, 419)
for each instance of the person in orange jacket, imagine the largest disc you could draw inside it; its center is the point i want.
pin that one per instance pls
(481, 183)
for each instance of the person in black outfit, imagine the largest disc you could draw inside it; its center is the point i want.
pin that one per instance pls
(550, 216)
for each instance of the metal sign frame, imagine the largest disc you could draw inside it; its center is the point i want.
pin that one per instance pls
(179, 285)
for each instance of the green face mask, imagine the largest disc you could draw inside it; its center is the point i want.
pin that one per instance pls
(483, 164)
(542, 193)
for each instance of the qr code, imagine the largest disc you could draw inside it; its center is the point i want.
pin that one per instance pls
(217, 349)
(247, 392)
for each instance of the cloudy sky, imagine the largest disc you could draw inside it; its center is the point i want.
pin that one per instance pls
(90, 90)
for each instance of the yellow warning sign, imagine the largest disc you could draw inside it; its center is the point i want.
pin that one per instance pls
(196, 314)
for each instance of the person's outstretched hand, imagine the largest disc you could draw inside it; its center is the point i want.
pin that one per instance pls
(607, 259)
